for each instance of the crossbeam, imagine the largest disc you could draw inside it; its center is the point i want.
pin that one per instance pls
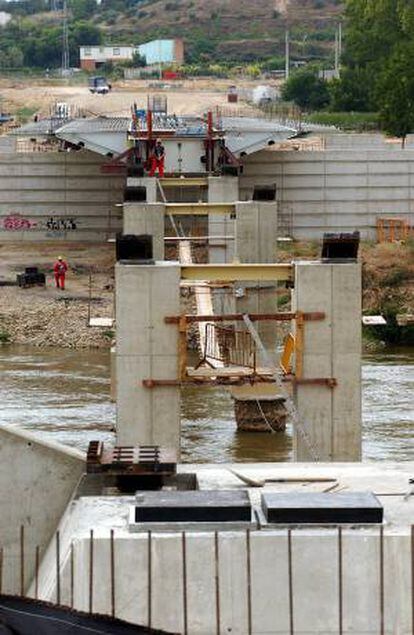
(238, 317)
(188, 181)
(232, 272)
(199, 209)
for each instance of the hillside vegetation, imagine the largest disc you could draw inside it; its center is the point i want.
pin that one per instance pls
(221, 31)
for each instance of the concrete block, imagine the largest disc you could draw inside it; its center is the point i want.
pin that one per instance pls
(201, 605)
(142, 218)
(222, 189)
(167, 586)
(233, 583)
(131, 583)
(310, 576)
(147, 348)
(150, 185)
(256, 231)
(331, 349)
(270, 583)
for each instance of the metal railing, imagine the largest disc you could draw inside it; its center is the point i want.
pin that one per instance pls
(229, 346)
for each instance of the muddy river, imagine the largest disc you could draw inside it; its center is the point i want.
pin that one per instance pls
(64, 396)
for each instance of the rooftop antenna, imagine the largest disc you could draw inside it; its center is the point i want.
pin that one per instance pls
(65, 40)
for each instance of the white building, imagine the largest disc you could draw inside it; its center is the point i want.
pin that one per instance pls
(154, 52)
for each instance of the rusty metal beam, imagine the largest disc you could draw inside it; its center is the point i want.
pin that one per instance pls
(199, 209)
(329, 382)
(238, 317)
(188, 181)
(231, 272)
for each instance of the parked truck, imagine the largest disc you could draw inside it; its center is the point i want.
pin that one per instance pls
(99, 86)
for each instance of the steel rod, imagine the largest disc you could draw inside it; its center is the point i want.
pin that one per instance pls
(340, 582)
(149, 580)
(217, 580)
(37, 564)
(381, 579)
(290, 583)
(91, 572)
(249, 583)
(22, 560)
(72, 575)
(112, 548)
(57, 567)
(185, 599)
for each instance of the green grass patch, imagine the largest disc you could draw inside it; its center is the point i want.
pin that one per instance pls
(25, 113)
(352, 121)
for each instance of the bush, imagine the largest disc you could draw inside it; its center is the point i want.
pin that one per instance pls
(4, 337)
(306, 90)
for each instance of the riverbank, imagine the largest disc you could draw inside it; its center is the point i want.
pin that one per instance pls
(45, 316)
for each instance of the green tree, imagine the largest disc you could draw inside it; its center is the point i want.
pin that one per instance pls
(307, 90)
(374, 28)
(395, 88)
(138, 61)
(82, 9)
(352, 91)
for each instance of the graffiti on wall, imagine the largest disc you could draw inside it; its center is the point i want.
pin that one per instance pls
(57, 223)
(17, 222)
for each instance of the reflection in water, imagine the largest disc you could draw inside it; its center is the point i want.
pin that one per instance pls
(64, 395)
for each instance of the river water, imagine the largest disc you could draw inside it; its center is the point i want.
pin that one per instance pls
(64, 396)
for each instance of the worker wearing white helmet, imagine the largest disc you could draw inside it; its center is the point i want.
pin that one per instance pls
(60, 268)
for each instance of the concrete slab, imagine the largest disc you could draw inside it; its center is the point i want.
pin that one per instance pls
(239, 581)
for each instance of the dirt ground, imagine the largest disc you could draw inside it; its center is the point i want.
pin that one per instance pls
(46, 316)
(190, 96)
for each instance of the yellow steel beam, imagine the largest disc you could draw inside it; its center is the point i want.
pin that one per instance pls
(230, 272)
(199, 209)
(190, 181)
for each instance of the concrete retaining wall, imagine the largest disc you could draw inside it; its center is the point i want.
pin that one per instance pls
(37, 480)
(58, 195)
(334, 190)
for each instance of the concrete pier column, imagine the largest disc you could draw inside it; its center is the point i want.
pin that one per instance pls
(147, 348)
(331, 348)
(147, 185)
(258, 408)
(146, 218)
(221, 189)
(256, 242)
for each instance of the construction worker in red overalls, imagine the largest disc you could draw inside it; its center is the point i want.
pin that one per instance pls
(60, 268)
(158, 159)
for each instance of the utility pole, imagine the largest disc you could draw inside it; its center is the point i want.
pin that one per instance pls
(336, 54)
(340, 43)
(65, 40)
(287, 54)
(338, 49)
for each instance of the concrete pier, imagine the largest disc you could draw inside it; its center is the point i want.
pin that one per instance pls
(331, 349)
(149, 184)
(147, 348)
(221, 189)
(256, 241)
(146, 218)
